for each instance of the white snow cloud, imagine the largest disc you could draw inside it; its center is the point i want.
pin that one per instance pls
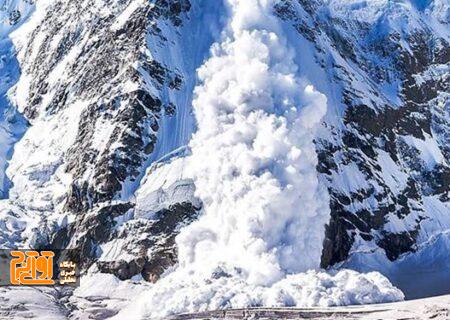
(253, 159)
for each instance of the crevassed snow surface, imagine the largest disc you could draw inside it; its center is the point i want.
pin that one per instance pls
(253, 163)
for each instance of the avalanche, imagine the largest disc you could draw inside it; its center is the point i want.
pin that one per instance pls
(253, 162)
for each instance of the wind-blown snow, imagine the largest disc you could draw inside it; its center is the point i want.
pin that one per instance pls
(253, 158)
(253, 163)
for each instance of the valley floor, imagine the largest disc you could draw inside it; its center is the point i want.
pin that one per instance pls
(437, 308)
(50, 304)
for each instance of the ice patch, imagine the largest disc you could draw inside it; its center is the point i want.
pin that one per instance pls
(164, 184)
(124, 17)
(428, 150)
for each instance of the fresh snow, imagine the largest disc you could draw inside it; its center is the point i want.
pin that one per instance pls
(429, 151)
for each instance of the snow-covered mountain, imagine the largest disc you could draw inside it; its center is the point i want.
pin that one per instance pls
(206, 154)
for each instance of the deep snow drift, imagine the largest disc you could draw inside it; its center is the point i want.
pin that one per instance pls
(253, 162)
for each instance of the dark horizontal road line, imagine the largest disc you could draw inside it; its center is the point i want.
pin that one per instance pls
(272, 313)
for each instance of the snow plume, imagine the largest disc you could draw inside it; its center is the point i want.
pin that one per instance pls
(253, 157)
(254, 166)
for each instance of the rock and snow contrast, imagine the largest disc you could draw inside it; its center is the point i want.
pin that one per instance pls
(218, 154)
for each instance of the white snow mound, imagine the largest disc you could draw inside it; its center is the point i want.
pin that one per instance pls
(184, 293)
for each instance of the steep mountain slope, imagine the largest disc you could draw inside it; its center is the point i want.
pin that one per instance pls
(99, 103)
(12, 124)
(384, 148)
(308, 113)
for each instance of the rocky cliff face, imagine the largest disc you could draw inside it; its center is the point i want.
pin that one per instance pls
(100, 93)
(96, 116)
(385, 156)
